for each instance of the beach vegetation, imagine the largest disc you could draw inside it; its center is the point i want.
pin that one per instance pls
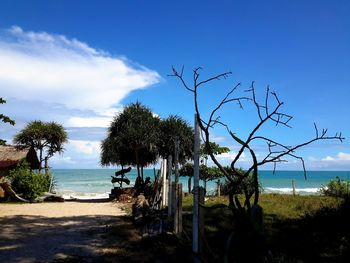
(5, 119)
(173, 129)
(206, 173)
(28, 184)
(296, 229)
(46, 137)
(337, 187)
(138, 138)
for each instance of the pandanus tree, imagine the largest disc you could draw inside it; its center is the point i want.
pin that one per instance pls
(173, 129)
(47, 138)
(132, 138)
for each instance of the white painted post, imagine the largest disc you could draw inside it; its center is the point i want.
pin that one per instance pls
(164, 184)
(170, 212)
(195, 222)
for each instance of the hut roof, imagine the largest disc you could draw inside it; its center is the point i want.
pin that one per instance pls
(11, 155)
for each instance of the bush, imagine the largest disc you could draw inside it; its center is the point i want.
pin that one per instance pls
(28, 184)
(337, 188)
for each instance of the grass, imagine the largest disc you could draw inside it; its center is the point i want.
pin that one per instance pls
(296, 229)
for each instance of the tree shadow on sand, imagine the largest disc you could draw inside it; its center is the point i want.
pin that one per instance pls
(102, 238)
(45, 239)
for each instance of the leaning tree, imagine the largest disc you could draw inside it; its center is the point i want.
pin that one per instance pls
(268, 110)
(46, 137)
(132, 138)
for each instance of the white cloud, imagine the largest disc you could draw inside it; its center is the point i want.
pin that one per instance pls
(344, 156)
(56, 69)
(61, 160)
(52, 77)
(338, 161)
(80, 122)
(86, 147)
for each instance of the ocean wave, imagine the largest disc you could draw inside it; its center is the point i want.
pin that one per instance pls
(287, 190)
(83, 196)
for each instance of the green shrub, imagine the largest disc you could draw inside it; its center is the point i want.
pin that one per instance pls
(28, 184)
(337, 188)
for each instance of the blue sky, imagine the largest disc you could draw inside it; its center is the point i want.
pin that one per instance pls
(80, 62)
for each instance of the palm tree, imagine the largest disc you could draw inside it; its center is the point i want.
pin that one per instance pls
(132, 138)
(46, 137)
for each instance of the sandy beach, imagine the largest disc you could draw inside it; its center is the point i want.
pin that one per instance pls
(55, 232)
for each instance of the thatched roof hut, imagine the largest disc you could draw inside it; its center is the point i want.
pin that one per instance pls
(11, 156)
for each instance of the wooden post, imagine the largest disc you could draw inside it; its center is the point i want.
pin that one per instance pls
(176, 161)
(201, 217)
(176, 188)
(218, 188)
(173, 199)
(170, 211)
(179, 209)
(195, 222)
(293, 186)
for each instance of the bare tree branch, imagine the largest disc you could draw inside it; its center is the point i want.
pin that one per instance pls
(266, 113)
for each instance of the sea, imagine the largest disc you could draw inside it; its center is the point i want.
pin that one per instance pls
(96, 183)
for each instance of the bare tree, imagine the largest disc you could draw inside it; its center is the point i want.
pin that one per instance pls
(269, 111)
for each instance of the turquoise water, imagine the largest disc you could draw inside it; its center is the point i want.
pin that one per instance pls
(97, 182)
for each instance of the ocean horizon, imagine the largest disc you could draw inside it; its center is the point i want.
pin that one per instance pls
(96, 183)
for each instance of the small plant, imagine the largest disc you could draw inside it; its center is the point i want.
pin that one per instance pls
(28, 184)
(337, 188)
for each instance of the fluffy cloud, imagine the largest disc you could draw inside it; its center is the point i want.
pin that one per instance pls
(52, 77)
(86, 147)
(338, 161)
(340, 157)
(56, 69)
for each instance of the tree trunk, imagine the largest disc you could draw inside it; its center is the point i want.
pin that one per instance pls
(189, 184)
(40, 159)
(142, 174)
(46, 165)
(7, 188)
(138, 170)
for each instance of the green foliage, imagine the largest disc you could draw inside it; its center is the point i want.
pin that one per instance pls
(136, 137)
(215, 148)
(297, 228)
(132, 138)
(205, 173)
(172, 128)
(27, 183)
(5, 119)
(46, 137)
(337, 188)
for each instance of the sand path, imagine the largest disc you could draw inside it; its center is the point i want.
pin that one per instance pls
(54, 232)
